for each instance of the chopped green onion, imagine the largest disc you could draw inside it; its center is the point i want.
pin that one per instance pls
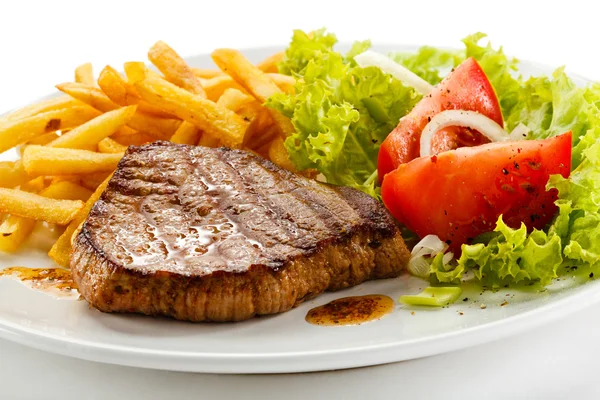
(433, 296)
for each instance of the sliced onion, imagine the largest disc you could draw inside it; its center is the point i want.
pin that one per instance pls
(429, 246)
(373, 59)
(447, 258)
(468, 119)
(520, 132)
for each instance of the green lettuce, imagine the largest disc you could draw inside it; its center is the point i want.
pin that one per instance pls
(341, 112)
(430, 63)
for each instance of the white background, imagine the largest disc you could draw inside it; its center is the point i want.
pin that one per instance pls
(42, 42)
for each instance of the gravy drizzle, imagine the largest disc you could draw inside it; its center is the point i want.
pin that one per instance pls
(43, 278)
(353, 310)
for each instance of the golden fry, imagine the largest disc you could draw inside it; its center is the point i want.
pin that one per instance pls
(279, 155)
(84, 74)
(233, 99)
(123, 93)
(175, 68)
(56, 103)
(208, 141)
(44, 139)
(95, 130)
(284, 82)
(61, 250)
(12, 174)
(160, 128)
(109, 145)
(219, 122)
(206, 73)
(43, 160)
(66, 190)
(132, 138)
(14, 231)
(34, 185)
(253, 80)
(186, 134)
(14, 133)
(269, 64)
(34, 206)
(215, 87)
(92, 181)
(137, 71)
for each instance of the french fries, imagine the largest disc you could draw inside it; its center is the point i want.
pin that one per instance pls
(72, 144)
(14, 231)
(269, 64)
(43, 160)
(137, 71)
(61, 250)
(255, 81)
(66, 190)
(219, 122)
(174, 68)
(123, 93)
(16, 132)
(234, 99)
(159, 128)
(95, 130)
(109, 145)
(206, 73)
(55, 103)
(215, 87)
(12, 174)
(33, 206)
(84, 74)
(279, 155)
(186, 134)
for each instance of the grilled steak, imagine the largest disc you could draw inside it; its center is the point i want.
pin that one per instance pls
(205, 234)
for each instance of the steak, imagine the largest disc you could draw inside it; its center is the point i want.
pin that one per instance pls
(205, 234)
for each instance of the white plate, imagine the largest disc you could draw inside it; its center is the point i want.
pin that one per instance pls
(282, 343)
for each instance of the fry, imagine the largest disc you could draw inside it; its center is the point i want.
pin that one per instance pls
(233, 99)
(108, 145)
(42, 160)
(159, 128)
(205, 114)
(216, 86)
(206, 73)
(61, 250)
(132, 138)
(284, 82)
(66, 190)
(279, 155)
(137, 71)
(12, 174)
(208, 141)
(44, 139)
(14, 231)
(123, 93)
(56, 103)
(84, 74)
(34, 185)
(175, 68)
(95, 130)
(14, 133)
(92, 181)
(186, 134)
(269, 64)
(233, 63)
(34, 206)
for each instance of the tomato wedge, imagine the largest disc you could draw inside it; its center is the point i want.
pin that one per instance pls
(466, 88)
(460, 194)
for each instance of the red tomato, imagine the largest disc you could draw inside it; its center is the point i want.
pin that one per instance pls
(460, 194)
(466, 88)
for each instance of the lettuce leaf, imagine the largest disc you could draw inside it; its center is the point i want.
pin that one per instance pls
(430, 63)
(341, 112)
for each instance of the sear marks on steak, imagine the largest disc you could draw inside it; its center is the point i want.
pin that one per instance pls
(204, 234)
